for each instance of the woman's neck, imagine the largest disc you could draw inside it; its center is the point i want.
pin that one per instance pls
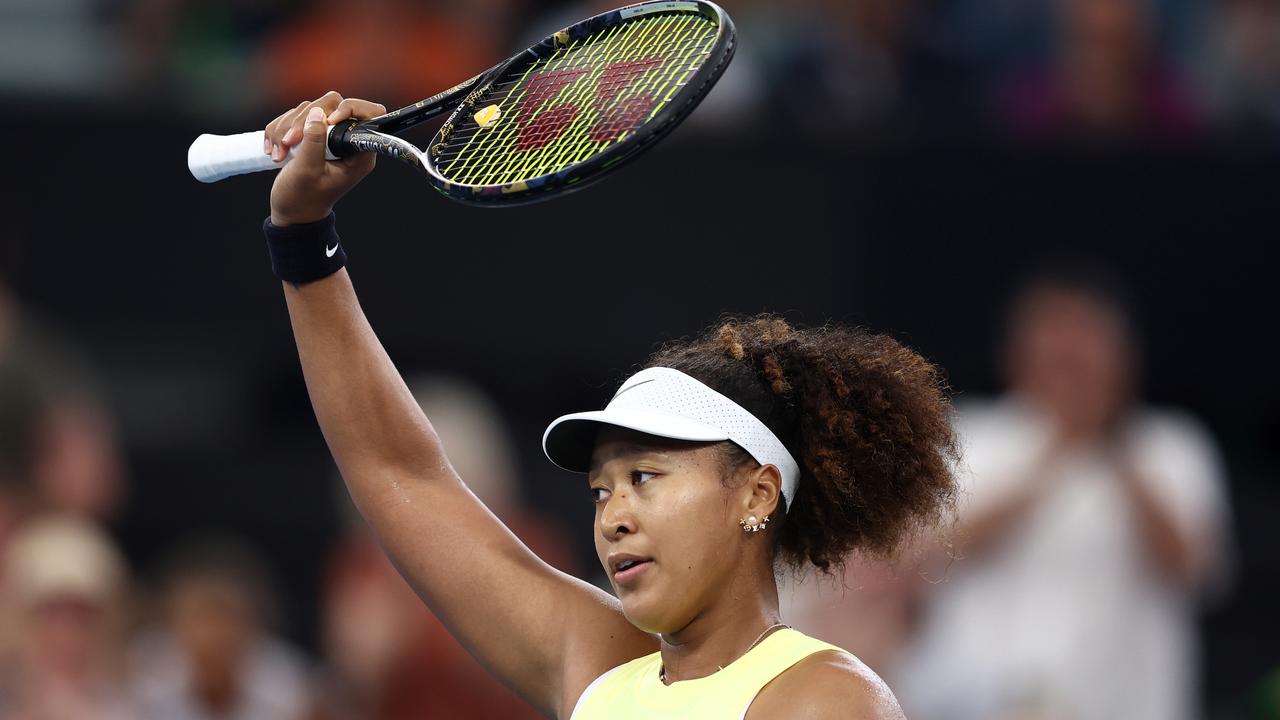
(725, 631)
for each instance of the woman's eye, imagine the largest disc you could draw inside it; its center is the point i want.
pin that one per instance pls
(639, 477)
(598, 495)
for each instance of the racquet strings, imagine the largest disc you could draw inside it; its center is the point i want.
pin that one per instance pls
(577, 102)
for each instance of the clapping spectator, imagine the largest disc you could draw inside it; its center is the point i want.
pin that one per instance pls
(1093, 524)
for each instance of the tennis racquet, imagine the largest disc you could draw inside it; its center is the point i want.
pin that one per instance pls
(549, 120)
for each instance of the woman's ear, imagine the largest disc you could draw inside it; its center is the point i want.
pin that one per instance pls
(765, 487)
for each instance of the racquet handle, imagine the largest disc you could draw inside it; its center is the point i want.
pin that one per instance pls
(216, 157)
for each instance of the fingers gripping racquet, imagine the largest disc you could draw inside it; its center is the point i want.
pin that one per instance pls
(549, 120)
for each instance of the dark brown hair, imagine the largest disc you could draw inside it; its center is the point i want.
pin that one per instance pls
(867, 419)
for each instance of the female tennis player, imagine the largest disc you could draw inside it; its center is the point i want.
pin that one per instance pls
(752, 447)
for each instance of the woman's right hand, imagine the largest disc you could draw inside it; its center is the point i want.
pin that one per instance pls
(307, 188)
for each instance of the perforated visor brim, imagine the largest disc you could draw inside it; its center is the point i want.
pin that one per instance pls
(571, 439)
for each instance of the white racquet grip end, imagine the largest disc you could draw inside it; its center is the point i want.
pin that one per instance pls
(216, 157)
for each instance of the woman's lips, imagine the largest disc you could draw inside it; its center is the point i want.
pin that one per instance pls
(624, 577)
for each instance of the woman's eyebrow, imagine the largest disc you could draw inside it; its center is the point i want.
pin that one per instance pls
(622, 451)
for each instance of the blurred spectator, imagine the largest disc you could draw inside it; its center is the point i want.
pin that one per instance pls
(58, 450)
(60, 48)
(1107, 79)
(393, 660)
(837, 64)
(1242, 75)
(213, 658)
(390, 51)
(77, 464)
(1091, 525)
(989, 32)
(199, 52)
(63, 610)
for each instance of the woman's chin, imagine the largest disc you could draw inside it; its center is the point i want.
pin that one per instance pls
(642, 617)
(649, 616)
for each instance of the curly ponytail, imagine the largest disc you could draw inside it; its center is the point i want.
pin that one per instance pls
(866, 418)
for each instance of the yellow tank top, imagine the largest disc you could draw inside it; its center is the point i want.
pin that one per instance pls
(634, 692)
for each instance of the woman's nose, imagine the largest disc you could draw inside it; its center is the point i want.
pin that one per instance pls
(617, 519)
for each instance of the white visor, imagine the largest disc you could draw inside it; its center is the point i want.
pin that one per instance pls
(667, 403)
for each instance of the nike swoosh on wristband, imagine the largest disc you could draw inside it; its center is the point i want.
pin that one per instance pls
(329, 251)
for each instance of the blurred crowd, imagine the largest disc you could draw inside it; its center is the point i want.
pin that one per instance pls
(1154, 70)
(85, 636)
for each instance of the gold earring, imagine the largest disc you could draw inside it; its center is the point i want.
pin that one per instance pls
(753, 524)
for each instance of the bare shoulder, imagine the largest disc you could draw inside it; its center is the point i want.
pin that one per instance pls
(825, 686)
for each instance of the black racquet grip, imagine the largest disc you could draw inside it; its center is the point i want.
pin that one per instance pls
(339, 139)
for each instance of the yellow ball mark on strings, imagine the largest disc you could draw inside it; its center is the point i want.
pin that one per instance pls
(487, 116)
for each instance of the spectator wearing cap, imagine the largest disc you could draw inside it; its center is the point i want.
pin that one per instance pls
(63, 605)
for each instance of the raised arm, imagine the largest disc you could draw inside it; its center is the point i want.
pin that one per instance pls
(544, 633)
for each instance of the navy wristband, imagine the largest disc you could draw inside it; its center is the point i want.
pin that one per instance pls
(305, 253)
